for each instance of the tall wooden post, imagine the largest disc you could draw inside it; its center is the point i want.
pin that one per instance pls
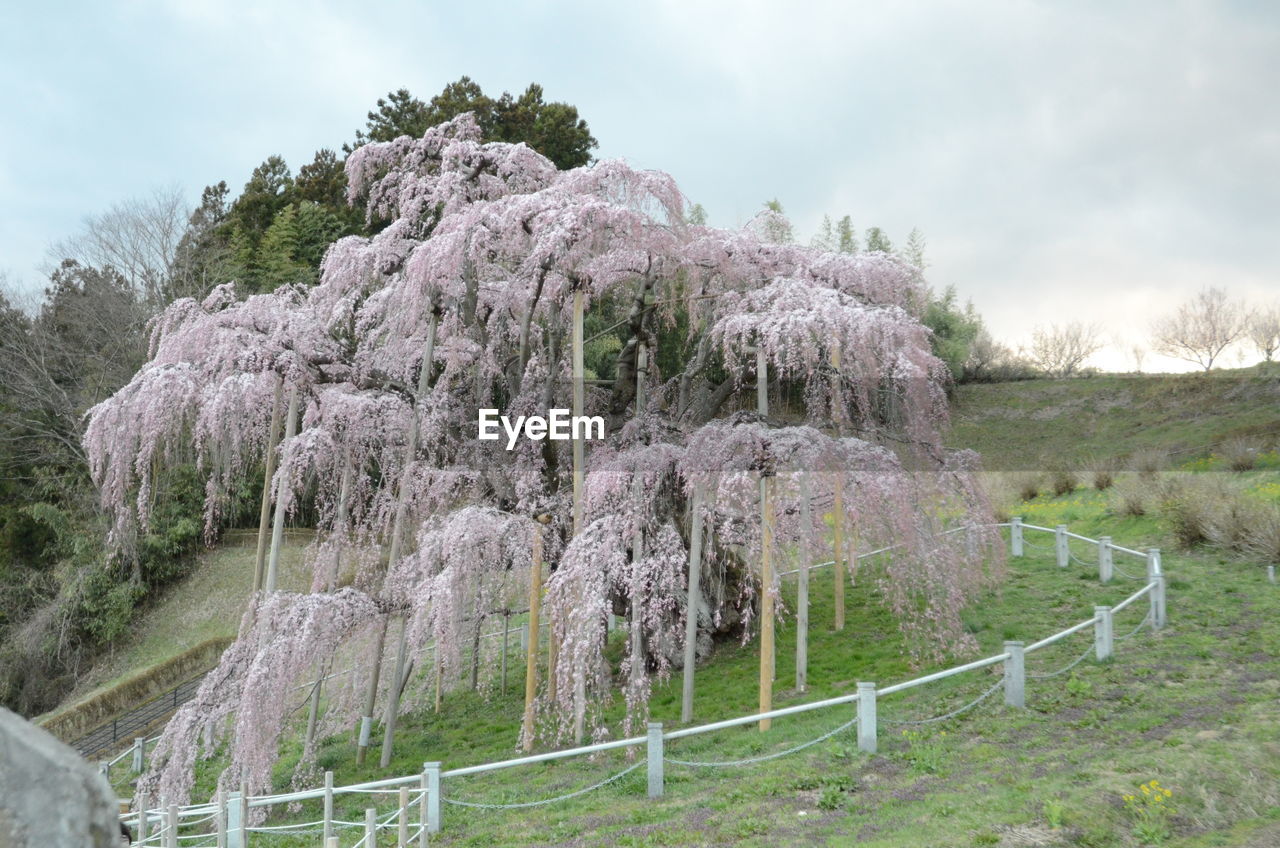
(766, 552)
(579, 399)
(506, 629)
(837, 514)
(269, 471)
(802, 591)
(691, 605)
(393, 696)
(277, 528)
(766, 599)
(531, 659)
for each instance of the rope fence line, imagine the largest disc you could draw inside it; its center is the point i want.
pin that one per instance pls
(953, 713)
(429, 796)
(1052, 674)
(764, 757)
(475, 805)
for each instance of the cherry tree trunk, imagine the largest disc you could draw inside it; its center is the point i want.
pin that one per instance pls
(277, 529)
(269, 470)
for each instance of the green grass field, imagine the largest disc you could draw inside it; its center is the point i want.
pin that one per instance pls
(1194, 706)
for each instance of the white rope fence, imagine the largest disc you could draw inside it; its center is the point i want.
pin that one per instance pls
(227, 816)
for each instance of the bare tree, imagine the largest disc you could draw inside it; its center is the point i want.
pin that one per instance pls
(1264, 330)
(1060, 349)
(1200, 329)
(138, 238)
(1139, 354)
(79, 344)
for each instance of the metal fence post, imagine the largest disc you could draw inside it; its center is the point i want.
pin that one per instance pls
(171, 827)
(1061, 545)
(1015, 675)
(1162, 611)
(140, 801)
(655, 759)
(138, 742)
(1102, 632)
(1105, 566)
(423, 815)
(328, 804)
(1015, 535)
(867, 717)
(1153, 576)
(431, 771)
(402, 819)
(235, 831)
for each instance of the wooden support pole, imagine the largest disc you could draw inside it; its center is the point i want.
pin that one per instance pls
(506, 630)
(802, 592)
(269, 470)
(393, 696)
(1060, 546)
(531, 656)
(766, 600)
(838, 550)
(371, 694)
(1105, 560)
(579, 399)
(370, 828)
(837, 514)
(1015, 536)
(692, 604)
(277, 526)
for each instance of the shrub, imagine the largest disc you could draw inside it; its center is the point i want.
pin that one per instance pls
(1103, 471)
(1148, 461)
(1232, 520)
(1191, 504)
(1262, 538)
(1063, 481)
(1239, 454)
(1131, 496)
(1029, 485)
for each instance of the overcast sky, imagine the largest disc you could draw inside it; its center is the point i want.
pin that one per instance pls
(1091, 161)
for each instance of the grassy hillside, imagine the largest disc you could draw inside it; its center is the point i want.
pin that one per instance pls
(206, 604)
(1038, 423)
(1194, 707)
